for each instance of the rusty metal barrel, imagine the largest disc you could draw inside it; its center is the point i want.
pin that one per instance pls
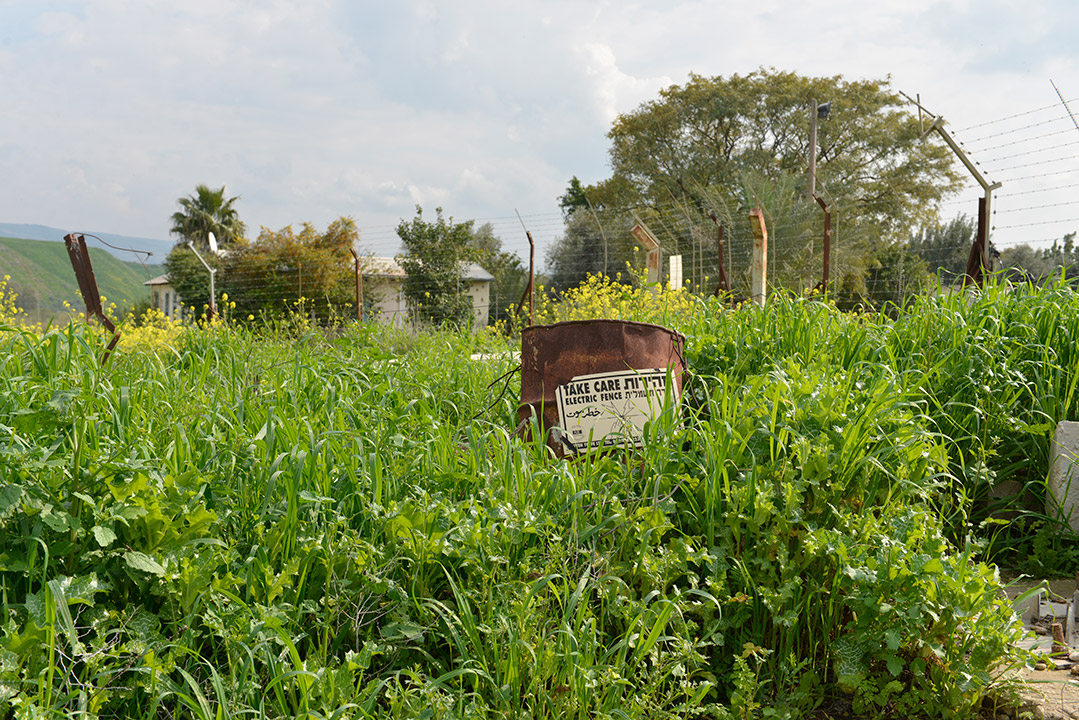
(552, 355)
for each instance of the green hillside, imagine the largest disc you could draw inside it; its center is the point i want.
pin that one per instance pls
(42, 276)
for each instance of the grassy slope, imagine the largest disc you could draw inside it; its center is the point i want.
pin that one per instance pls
(42, 276)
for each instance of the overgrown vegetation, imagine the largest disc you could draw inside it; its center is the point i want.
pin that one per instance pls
(283, 267)
(277, 524)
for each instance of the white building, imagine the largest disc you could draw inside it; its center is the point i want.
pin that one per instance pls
(163, 296)
(384, 290)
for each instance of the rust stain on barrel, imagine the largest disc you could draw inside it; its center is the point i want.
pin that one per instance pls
(552, 355)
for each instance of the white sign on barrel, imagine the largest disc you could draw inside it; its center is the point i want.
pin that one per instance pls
(610, 409)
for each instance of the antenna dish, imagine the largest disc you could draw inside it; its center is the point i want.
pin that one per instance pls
(213, 243)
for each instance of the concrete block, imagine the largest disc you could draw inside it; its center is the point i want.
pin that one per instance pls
(1069, 625)
(1063, 497)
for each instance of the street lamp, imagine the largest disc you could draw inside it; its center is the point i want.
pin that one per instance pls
(212, 271)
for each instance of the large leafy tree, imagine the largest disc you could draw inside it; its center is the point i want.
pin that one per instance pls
(435, 256)
(273, 273)
(207, 210)
(871, 158)
(717, 146)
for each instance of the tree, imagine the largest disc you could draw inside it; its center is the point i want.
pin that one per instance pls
(945, 246)
(574, 199)
(694, 151)
(275, 271)
(1046, 264)
(204, 212)
(510, 275)
(871, 156)
(593, 242)
(281, 267)
(897, 274)
(435, 256)
(597, 237)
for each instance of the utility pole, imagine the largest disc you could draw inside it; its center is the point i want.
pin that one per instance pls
(212, 271)
(822, 286)
(813, 112)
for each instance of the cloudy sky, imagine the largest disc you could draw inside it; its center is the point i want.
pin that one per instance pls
(311, 109)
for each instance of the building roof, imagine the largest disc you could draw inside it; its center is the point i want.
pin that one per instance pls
(388, 267)
(159, 280)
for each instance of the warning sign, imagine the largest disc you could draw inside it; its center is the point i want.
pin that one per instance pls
(610, 409)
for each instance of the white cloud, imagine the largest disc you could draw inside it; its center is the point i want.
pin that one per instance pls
(614, 90)
(63, 25)
(311, 110)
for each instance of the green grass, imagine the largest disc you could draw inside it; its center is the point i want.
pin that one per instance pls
(260, 524)
(42, 276)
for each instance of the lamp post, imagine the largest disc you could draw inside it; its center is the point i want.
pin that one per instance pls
(212, 271)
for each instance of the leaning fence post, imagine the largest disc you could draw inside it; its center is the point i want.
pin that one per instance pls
(84, 273)
(977, 264)
(724, 283)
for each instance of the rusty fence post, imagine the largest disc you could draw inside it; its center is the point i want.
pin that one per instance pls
(530, 292)
(84, 273)
(823, 285)
(724, 284)
(359, 286)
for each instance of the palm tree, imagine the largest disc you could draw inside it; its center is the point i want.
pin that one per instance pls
(207, 211)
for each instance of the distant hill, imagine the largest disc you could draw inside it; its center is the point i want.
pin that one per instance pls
(159, 248)
(42, 276)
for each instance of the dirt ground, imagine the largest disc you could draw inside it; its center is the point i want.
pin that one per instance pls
(1054, 692)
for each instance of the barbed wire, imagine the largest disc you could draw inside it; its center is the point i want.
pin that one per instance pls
(1037, 207)
(1037, 223)
(1039, 176)
(975, 141)
(1035, 164)
(1055, 105)
(1031, 152)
